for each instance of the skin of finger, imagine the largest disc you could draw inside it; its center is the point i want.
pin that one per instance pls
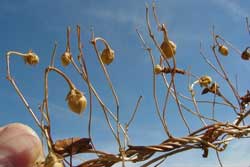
(19, 145)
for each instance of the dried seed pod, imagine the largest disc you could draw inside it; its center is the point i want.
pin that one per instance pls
(77, 102)
(107, 56)
(245, 55)
(205, 81)
(157, 69)
(214, 88)
(66, 58)
(53, 160)
(31, 58)
(168, 48)
(223, 50)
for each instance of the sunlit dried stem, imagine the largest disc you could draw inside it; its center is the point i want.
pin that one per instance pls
(164, 123)
(110, 85)
(68, 40)
(192, 92)
(53, 55)
(13, 83)
(84, 70)
(152, 35)
(228, 43)
(224, 72)
(172, 82)
(135, 110)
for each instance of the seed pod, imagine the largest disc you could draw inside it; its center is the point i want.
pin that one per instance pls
(77, 102)
(214, 88)
(157, 69)
(53, 160)
(205, 81)
(245, 54)
(107, 56)
(223, 50)
(31, 58)
(168, 48)
(66, 58)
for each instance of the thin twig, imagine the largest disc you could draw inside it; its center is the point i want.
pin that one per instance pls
(53, 55)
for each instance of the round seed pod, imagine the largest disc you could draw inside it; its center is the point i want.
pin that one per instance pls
(205, 81)
(107, 56)
(66, 58)
(31, 58)
(53, 160)
(245, 55)
(157, 69)
(223, 50)
(77, 102)
(168, 48)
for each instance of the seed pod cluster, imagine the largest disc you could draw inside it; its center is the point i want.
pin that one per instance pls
(223, 50)
(205, 81)
(169, 49)
(77, 102)
(66, 58)
(107, 55)
(31, 58)
(157, 69)
(245, 55)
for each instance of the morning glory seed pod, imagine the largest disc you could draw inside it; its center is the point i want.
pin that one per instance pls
(245, 55)
(223, 50)
(107, 56)
(157, 69)
(77, 102)
(31, 58)
(168, 48)
(66, 58)
(205, 81)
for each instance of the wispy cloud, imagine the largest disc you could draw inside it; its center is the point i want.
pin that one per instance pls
(119, 15)
(232, 8)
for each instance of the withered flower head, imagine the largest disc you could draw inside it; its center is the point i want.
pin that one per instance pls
(245, 55)
(107, 56)
(31, 58)
(66, 58)
(205, 81)
(157, 69)
(168, 48)
(223, 50)
(77, 102)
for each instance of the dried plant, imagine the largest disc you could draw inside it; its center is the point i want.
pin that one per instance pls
(213, 135)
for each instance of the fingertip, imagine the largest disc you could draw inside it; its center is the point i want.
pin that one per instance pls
(19, 145)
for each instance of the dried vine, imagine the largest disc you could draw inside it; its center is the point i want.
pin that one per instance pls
(214, 135)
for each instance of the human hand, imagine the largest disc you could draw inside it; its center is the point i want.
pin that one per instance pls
(19, 146)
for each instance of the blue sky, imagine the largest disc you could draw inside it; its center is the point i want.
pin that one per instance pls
(36, 25)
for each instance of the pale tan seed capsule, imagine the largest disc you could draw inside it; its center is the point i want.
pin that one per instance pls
(245, 55)
(77, 102)
(223, 50)
(157, 69)
(107, 56)
(168, 48)
(53, 160)
(66, 58)
(31, 58)
(205, 81)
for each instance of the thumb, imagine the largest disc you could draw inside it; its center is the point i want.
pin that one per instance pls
(19, 146)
